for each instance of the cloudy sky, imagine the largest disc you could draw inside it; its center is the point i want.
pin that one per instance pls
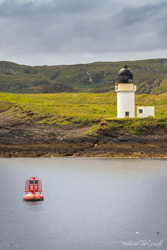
(54, 32)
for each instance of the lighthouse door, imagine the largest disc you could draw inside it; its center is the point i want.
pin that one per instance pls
(141, 113)
(126, 114)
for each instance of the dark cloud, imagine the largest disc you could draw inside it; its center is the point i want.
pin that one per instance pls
(81, 26)
(144, 25)
(28, 9)
(129, 16)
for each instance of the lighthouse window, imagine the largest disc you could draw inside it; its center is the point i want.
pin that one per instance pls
(36, 182)
(31, 182)
(140, 111)
(126, 113)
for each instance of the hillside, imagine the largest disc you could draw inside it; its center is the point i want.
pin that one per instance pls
(150, 76)
(72, 108)
(79, 124)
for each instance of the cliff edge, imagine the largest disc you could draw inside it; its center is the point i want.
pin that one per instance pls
(113, 138)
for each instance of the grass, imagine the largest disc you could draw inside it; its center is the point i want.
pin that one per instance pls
(82, 109)
(93, 130)
(163, 87)
(62, 108)
(135, 126)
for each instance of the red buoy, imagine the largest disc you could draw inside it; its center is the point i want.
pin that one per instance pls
(32, 186)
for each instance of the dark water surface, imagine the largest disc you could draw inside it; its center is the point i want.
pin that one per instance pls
(89, 204)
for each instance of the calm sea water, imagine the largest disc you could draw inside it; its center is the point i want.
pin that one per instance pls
(89, 204)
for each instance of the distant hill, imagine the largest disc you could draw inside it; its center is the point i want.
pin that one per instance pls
(150, 76)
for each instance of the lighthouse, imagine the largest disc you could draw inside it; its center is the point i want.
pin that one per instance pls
(125, 93)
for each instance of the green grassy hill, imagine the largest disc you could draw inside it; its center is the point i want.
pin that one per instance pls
(73, 108)
(150, 76)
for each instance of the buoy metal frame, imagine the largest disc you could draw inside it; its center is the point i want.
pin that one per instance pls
(32, 186)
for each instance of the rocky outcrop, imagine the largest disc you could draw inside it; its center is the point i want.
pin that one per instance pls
(27, 139)
(10, 71)
(149, 86)
(86, 149)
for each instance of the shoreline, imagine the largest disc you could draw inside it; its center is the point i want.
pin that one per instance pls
(109, 140)
(86, 149)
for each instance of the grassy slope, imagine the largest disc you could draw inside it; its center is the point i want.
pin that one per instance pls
(94, 77)
(61, 108)
(82, 109)
(163, 87)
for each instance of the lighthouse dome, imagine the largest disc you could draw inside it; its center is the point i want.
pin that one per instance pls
(125, 75)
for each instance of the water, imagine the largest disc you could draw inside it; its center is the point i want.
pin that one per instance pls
(89, 204)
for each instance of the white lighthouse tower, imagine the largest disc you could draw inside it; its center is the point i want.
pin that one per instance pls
(125, 94)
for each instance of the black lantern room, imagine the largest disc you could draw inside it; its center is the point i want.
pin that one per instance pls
(125, 75)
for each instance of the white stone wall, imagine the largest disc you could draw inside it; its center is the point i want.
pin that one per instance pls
(126, 87)
(125, 103)
(147, 111)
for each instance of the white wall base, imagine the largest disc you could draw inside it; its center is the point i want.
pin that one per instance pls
(147, 111)
(125, 103)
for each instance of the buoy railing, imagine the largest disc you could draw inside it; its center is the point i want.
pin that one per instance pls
(33, 185)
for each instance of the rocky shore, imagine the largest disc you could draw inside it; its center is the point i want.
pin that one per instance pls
(27, 139)
(116, 150)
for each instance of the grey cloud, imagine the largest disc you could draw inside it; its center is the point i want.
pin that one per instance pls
(75, 5)
(131, 29)
(47, 27)
(144, 25)
(81, 26)
(130, 16)
(15, 9)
